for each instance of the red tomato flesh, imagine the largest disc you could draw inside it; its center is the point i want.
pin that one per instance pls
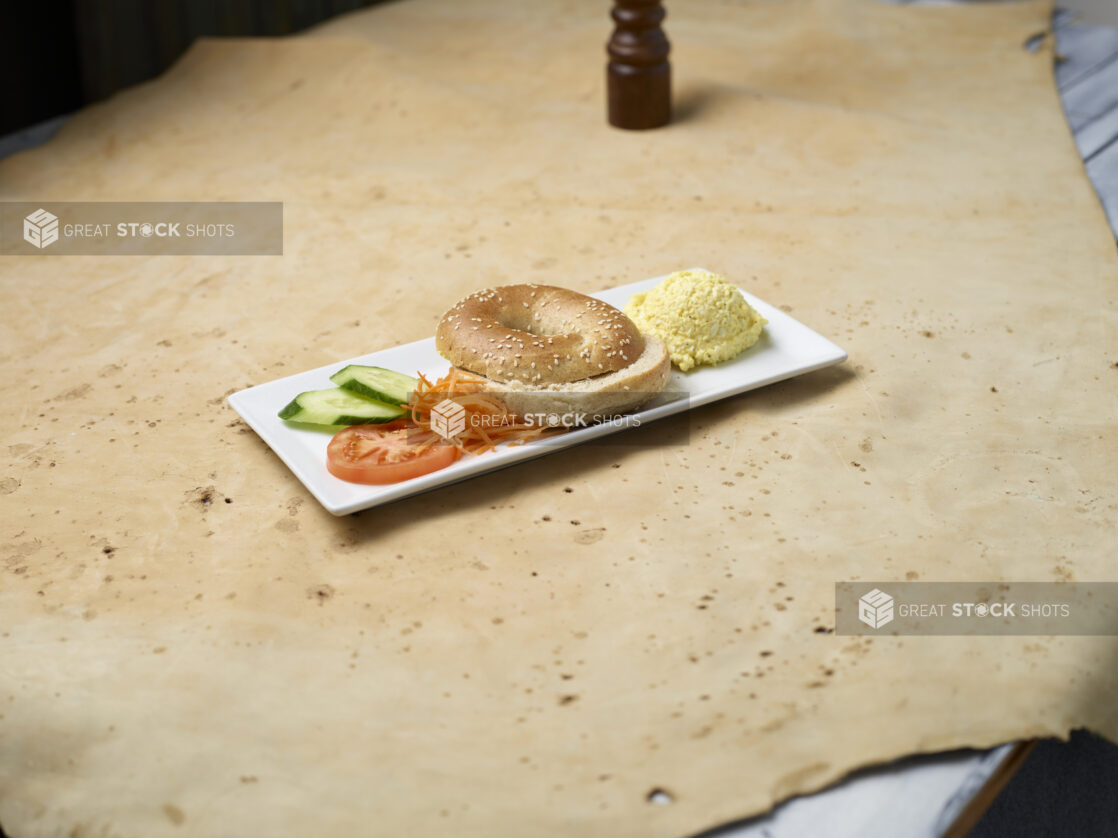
(388, 453)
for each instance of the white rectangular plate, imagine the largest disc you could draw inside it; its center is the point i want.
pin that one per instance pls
(787, 348)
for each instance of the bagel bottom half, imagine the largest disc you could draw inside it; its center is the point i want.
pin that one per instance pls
(597, 398)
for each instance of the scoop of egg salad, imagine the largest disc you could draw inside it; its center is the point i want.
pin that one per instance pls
(701, 317)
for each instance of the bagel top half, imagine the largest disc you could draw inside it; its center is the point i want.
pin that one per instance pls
(537, 334)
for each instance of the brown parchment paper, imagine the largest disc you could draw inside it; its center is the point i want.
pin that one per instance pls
(190, 645)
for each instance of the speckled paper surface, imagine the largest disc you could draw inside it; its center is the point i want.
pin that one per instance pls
(189, 645)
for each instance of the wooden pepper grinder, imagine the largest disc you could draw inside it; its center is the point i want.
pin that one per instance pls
(639, 75)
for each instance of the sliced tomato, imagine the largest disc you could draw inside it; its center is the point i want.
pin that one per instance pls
(387, 453)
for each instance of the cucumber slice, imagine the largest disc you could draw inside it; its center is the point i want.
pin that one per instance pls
(376, 383)
(339, 407)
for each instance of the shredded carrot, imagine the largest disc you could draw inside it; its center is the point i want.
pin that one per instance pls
(488, 422)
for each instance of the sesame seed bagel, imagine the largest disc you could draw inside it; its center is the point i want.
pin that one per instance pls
(538, 335)
(597, 398)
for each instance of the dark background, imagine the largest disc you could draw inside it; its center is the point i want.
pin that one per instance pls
(1063, 788)
(57, 55)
